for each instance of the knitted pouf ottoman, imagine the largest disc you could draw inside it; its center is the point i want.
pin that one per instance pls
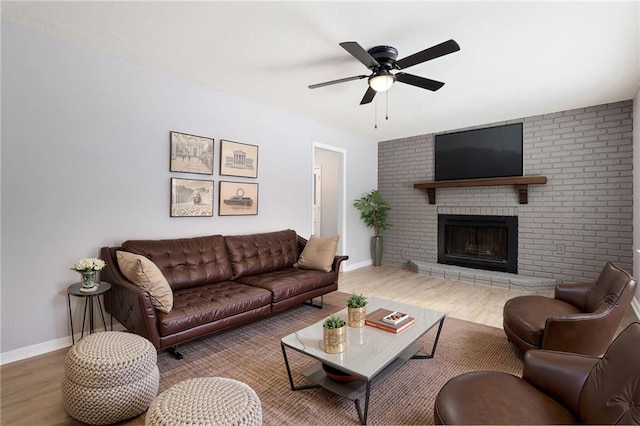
(109, 377)
(206, 401)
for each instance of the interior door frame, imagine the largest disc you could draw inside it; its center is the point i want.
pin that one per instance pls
(317, 201)
(342, 186)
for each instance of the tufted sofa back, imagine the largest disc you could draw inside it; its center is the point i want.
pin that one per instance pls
(260, 253)
(186, 262)
(611, 393)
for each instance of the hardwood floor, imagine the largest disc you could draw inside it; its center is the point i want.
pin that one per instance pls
(467, 301)
(31, 389)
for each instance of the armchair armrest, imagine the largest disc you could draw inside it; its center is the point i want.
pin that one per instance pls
(130, 304)
(558, 374)
(585, 333)
(574, 293)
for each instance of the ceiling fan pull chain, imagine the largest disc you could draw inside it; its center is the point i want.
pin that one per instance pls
(375, 114)
(386, 117)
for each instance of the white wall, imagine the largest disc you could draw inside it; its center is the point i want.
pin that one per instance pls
(85, 163)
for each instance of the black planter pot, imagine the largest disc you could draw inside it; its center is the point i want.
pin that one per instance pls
(376, 250)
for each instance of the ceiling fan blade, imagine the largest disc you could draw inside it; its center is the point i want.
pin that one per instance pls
(341, 80)
(418, 81)
(433, 52)
(368, 96)
(360, 54)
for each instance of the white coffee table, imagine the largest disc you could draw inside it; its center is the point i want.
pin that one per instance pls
(372, 354)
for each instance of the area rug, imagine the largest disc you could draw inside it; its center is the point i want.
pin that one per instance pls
(252, 354)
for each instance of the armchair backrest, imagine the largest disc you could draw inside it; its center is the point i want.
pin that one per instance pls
(613, 287)
(611, 393)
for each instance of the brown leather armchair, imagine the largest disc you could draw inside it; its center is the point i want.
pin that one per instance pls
(555, 388)
(581, 318)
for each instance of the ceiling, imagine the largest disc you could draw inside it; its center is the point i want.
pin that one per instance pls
(517, 58)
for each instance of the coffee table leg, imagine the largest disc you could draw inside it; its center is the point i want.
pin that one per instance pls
(363, 416)
(435, 344)
(286, 362)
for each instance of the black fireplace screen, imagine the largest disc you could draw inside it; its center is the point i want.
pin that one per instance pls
(482, 242)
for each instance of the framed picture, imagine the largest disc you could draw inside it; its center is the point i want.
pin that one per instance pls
(238, 199)
(238, 159)
(191, 154)
(191, 197)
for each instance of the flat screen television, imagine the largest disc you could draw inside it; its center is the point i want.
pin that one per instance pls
(481, 153)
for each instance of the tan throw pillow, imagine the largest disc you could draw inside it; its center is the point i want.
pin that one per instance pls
(143, 272)
(318, 253)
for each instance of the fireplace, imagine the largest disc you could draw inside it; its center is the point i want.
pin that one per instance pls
(481, 242)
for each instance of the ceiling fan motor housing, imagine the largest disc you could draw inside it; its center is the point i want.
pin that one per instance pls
(385, 55)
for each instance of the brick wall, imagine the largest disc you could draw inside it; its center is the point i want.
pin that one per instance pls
(579, 220)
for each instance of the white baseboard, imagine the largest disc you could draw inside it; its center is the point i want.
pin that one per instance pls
(44, 347)
(34, 350)
(353, 266)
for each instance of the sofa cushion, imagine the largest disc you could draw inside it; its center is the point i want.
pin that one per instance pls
(186, 262)
(261, 253)
(290, 282)
(207, 303)
(144, 273)
(318, 253)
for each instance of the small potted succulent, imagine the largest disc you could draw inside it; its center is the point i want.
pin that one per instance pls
(357, 310)
(334, 335)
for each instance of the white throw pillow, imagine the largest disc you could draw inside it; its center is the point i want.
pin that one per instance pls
(143, 272)
(318, 253)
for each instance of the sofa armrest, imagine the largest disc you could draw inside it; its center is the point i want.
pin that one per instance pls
(302, 242)
(337, 261)
(574, 293)
(560, 375)
(130, 304)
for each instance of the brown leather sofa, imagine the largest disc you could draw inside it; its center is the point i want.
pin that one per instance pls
(555, 388)
(217, 281)
(581, 318)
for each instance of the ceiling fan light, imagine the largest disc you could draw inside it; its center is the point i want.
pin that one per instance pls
(382, 81)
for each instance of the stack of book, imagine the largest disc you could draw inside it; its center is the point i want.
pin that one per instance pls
(391, 321)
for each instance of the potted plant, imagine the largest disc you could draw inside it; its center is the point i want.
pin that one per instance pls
(357, 310)
(334, 335)
(373, 211)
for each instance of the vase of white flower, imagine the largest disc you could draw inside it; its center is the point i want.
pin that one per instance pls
(88, 279)
(88, 269)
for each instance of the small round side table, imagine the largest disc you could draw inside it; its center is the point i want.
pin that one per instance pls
(89, 298)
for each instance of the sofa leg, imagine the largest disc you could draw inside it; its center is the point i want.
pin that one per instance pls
(174, 351)
(310, 303)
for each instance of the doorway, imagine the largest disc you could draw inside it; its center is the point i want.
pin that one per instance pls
(329, 188)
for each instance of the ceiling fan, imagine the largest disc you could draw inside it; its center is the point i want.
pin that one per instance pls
(381, 60)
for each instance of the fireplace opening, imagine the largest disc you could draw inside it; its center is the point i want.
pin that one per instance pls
(481, 242)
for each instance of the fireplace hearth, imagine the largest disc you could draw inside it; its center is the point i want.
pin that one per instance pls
(480, 242)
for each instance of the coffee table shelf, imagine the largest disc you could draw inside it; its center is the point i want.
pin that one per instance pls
(355, 389)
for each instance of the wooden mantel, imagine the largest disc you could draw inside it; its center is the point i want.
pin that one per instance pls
(521, 182)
